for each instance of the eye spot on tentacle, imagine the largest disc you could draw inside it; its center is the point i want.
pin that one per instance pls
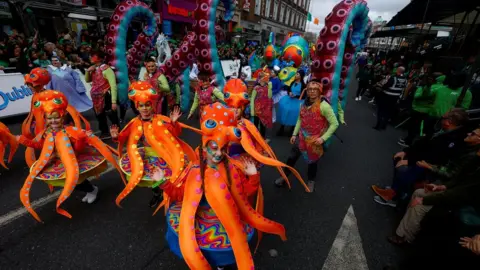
(325, 81)
(348, 56)
(331, 45)
(324, 31)
(335, 29)
(328, 63)
(204, 7)
(341, 13)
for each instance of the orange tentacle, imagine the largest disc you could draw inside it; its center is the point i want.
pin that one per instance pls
(135, 160)
(220, 199)
(67, 156)
(105, 151)
(27, 125)
(45, 156)
(39, 117)
(247, 145)
(186, 234)
(2, 154)
(78, 118)
(251, 216)
(124, 134)
(30, 157)
(259, 208)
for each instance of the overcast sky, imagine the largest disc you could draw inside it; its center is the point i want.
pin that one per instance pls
(385, 8)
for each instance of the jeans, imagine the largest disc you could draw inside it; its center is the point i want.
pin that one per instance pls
(404, 180)
(362, 87)
(292, 159)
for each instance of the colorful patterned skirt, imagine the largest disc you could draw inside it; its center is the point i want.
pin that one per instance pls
(90, 163)
(150, 161)
(264, 111)
(211, 236)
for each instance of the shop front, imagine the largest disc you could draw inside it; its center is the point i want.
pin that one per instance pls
(176, 16)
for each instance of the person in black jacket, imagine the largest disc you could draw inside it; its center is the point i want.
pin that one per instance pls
(437, 150)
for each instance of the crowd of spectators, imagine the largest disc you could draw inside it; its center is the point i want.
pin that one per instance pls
(436, 178)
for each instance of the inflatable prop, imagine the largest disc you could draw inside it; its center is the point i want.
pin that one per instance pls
(295, 49)
(59, 164)
(7, 140)
(345, 26)
(163, 49)
(127, 65)
(270, 52)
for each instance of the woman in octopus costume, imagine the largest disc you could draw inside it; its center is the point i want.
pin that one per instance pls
(35, 121)
(346, 29)
(209, 218)
(145, 149)
(69, 155)
(6, 140)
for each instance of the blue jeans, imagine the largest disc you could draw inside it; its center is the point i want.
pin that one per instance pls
(404, 180)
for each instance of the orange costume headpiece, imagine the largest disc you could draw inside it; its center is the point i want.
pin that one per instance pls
(50, 101)
(37, 77)
(236, 95)
(142, 92)
(219, 125)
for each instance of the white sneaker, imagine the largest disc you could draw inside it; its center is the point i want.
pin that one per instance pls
(356, 99)
(267, 140)
(360, 98)
(90, 197)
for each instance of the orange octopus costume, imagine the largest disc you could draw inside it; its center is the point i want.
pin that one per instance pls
(35, 121)
(7, 139)
(68, 156)
(160, 144)
(209, 218)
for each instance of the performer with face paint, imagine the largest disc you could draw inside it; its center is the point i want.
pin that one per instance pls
(103, 92)
(158, 81)
(205, 94)
(69, 155)
(315, 125)
(143, 152)
(209, 218)
(261, 104)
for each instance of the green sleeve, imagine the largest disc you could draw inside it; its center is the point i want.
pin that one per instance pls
(327, 112)
(341, 113)
(270, 90)
(110, 76)
(467, 100)
(252, 102)
(163, 84)
(88, 77)
(297, 126)
(443, 171)
(178, 93)
(196, 100)
(218, 94)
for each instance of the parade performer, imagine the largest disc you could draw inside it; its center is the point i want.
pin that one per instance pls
(261, 104)
(158, 81)
(35, 121)
(67, 81)
(145, 148)
(289, 105)
(205, 94)
(7, 139)
(69, 155)
(103, 92)
(209, 218)
(316, 124)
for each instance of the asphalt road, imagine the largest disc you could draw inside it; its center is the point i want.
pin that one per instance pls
(103, 236)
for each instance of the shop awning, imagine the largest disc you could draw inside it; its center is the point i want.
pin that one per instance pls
(437, 10)
(90, 11)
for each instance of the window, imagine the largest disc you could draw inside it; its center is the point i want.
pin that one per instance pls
(290, 22)
(282, 13)
(275, 10)
(287, 16)
(267, 8)
(258, 7)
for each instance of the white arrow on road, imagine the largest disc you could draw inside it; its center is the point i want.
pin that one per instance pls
(347, 252)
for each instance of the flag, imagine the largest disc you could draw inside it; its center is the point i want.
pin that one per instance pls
(309, 17)
(316, 21)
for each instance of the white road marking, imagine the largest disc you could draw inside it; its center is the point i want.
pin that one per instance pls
(17, 213)
(347, 252)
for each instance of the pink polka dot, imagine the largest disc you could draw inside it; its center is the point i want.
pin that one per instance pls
(197, 249)
(235, 176)
(228, 196)
(216, 174)
(194, 204)
(192, 217)
(198, 178)
(198, 190)
(223, 186)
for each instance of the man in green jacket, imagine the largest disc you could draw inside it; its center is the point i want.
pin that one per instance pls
(460, 187)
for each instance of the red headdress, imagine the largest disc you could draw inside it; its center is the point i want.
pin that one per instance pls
(142, 92)
(50, 101)
(37, 77)
(236, 95)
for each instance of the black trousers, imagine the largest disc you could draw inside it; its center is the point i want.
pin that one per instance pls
(362, 87)
(295, 154)
(386, 107)
(85, 186)
(261, 127)
(107, 112)
(416, 120)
